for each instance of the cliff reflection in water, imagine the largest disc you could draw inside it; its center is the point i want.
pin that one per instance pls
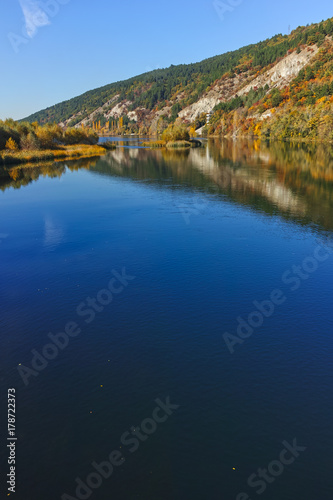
(292, 181)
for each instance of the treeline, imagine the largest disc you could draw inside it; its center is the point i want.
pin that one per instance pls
(315, 34)
(183, 85)
(15, 136)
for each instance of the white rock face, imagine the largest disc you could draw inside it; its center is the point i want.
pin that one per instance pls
(204, 105)
(284, 71)
(280, 75)
(132, 116)
(118, 110)
(97, 111)
(222, 90)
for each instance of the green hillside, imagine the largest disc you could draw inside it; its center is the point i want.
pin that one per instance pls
(173, 89)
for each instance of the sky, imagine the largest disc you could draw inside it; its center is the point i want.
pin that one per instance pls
(52, 50)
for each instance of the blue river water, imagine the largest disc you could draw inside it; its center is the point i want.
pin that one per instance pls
(166, 322)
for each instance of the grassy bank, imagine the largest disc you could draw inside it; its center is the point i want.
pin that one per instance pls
(173, 144)
(154, 144)
(23, 142)
(62, 153)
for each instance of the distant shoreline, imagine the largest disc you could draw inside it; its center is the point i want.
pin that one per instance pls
(305, 140)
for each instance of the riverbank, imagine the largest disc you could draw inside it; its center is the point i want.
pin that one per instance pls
(61, 153)
(192, 143)
(301, 140)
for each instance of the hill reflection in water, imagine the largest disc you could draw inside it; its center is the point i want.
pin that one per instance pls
(294, 181)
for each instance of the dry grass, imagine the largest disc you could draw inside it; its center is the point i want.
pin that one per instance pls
(154, 144)
(64, 152)
(170, 144)
(178, 144)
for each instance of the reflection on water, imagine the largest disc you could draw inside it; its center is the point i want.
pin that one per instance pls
(294, 181)
(18, 176)
(54, 233)
(261, 210)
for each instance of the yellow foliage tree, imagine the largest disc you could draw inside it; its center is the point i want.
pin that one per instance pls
(11, 145)
(257, 129)
(193, 132)
(14, 174)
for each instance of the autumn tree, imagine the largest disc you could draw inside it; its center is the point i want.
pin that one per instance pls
(11, 145)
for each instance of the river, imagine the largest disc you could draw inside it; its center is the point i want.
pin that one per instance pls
(167, 323)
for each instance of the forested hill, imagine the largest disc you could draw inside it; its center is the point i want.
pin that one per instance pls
(255, 75)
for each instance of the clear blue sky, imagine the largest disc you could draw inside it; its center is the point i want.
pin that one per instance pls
(71, 46)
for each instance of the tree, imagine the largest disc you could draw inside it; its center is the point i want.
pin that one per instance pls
(11, 145)
(175, 110)
(200, 121)
(276, 98)
(329, 27)
(176, 133)
(30, 142)
(49, 136)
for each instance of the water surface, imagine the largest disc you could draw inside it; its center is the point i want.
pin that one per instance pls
(205, 233)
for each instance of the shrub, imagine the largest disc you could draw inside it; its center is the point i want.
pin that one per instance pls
(30, 142)
(178, 144)
(5, 133)
(176, 133)
(49, 136)
(154, 144)
(11, 145)
(80, 136)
